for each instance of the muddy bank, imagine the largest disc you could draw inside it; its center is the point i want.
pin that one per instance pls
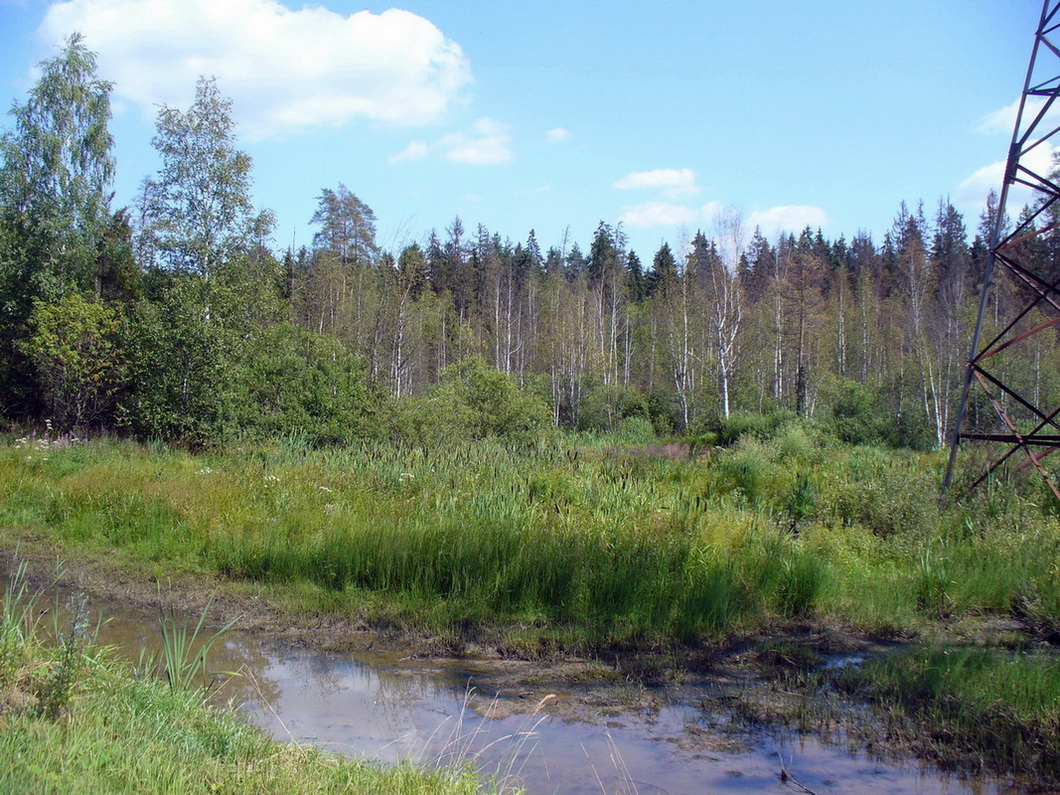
(714, 699)
(257, 609)
(569, 725)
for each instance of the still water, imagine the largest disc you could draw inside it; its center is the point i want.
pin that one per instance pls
(382, 707)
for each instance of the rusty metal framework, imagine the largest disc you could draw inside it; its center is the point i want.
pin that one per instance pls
(1026, 306)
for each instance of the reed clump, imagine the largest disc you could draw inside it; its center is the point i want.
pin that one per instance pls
(579, 541)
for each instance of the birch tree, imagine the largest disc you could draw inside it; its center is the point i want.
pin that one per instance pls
(56, 169)
(203, 210)
(715, 264)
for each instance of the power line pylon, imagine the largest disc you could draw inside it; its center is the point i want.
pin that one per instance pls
(1029, 256)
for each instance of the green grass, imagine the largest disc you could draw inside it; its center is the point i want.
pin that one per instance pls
(571, 541)
(123, 734)
(961, 704)
(566, 546)
(73, 717)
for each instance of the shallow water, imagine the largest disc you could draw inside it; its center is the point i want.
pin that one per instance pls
(379, 706)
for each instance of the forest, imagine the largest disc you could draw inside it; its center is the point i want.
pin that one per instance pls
(176, 319)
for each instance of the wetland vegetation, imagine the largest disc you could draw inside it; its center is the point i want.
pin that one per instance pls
(571, 541)
(590, 545)
(72, 710)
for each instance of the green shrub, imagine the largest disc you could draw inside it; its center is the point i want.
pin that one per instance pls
(857, 415)
(745, 423)
(636, 430)
(472, 401)
(892, 496)
(179, 367)
(748, 470)
(74, 347)
(702, 442)
(292, 381)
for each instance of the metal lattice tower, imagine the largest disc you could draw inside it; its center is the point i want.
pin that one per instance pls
(1025, 305)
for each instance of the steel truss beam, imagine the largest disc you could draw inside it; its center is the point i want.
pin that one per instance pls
(1011, 254)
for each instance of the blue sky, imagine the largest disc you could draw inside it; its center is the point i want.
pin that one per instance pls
(554, 115)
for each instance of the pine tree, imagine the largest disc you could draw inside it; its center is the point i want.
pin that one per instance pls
(663, 275)
(636, 281)
(575, 263)
(347, 226)
(760, 262)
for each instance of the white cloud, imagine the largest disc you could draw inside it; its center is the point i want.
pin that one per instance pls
(488, 144)
(659, 214)
(680, 178)
(414, 151)
(998, 121)
(973, 189)
(773, 220)
(1002, 120)
(285, 70)
(972, 192)
(786, 218)
(558, 135)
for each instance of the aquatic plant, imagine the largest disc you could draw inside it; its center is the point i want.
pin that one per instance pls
(182, 662)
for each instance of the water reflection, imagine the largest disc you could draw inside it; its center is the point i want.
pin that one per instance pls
(379, 706)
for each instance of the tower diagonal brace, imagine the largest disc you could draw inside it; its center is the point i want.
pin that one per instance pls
(1013, 258)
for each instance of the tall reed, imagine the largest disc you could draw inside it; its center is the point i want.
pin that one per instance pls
(615, 546)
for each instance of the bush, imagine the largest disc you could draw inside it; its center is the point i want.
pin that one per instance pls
(178, 369)
(746, 423)
(857, 416)
(747, 469)
(891, 497)
(636, 430)
(73, 347)
(294, 381)
(662, 410)
(473, 401)
(912, 431)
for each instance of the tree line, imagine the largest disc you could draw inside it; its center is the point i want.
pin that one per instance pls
(175, 318)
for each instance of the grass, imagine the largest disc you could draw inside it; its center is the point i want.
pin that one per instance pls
(970, 707)
(72, 715)
(574, 546)
(183, 658)
(569, 541)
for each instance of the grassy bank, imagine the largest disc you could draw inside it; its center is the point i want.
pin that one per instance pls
(573, 543)
(579, 544)
(73, 717)
(968, 708)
